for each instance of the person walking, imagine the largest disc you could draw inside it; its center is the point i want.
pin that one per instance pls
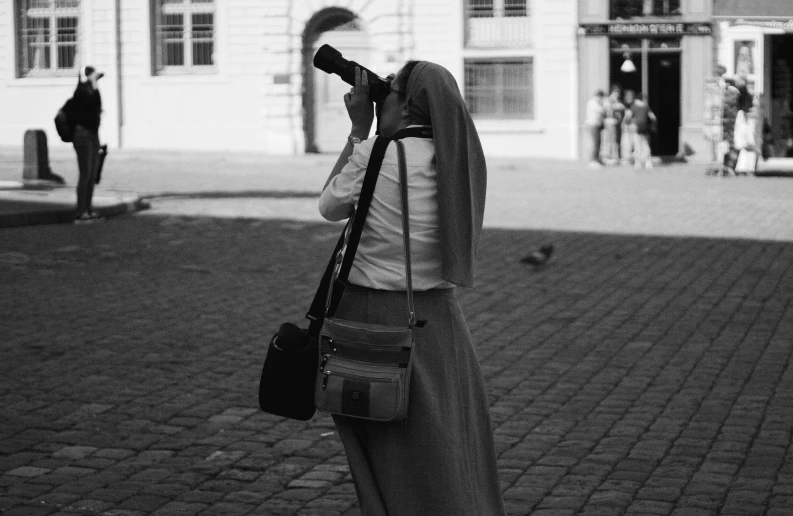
(643, 119)
(595, 116)
(441, 459)
(86, 112)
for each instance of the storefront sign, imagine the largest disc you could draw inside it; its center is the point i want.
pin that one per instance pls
(645, 30)
(785, 24)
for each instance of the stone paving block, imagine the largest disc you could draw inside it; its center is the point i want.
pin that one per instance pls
(279, 507)
(110, 494)
(144, 503)
(74, 452)
(28, 472)
(336, 504)
(649, 508)
(30, 510)
(56, 499)
(89, 506)
(74, 471)
(299, 494)
(180, 509)
(693, 511)
(114, 453)
(7, 502)
(226, 508)
(199, 496)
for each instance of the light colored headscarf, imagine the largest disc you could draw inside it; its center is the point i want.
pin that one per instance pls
(84, 73)
(434, 99)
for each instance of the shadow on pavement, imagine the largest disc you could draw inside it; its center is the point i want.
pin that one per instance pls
(627, 373)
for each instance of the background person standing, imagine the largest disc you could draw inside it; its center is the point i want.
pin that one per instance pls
(86, 112)
(595, 115)
(628, 129)
(643, 119)
(615, 113)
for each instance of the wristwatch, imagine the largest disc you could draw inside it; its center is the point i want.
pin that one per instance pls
(353, 140)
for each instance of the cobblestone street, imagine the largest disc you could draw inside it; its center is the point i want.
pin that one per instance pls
(631, 375)
(645, 370)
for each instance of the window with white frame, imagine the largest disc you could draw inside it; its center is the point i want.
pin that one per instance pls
(184, 36)
(500, 88)
(631, 9)
(497, 23)
(47, 37)
(495, 8)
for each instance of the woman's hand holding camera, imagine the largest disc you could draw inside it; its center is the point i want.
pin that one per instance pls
(359, 107)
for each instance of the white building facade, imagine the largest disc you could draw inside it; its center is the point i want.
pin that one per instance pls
(238, 74)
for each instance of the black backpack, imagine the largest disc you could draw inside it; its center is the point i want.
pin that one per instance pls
(64, 123)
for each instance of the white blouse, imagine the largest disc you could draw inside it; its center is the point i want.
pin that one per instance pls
(380, 260)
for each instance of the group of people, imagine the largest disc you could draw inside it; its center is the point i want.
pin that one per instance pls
(620, 126)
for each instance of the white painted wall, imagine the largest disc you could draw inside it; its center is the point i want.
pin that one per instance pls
(240, 106)
(553, 131)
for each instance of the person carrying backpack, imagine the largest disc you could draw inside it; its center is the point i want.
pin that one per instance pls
(85, 112)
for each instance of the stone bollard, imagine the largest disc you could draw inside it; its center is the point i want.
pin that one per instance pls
(37, 157)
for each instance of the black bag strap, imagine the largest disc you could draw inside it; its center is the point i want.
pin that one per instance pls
(316, 313)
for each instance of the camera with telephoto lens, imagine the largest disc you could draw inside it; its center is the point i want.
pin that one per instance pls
(330, 60)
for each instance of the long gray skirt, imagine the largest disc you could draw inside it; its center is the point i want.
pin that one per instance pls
(441, 460)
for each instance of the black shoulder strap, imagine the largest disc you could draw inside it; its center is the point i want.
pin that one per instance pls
(355, 225)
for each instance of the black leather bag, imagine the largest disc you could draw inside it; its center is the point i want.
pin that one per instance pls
(287, 384)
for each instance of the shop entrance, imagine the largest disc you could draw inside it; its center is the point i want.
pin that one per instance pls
(779, 110)
(655, 71)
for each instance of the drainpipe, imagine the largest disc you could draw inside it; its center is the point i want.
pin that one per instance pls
(119, 73)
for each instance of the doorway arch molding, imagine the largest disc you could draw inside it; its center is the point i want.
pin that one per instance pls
(285, 105)
(324, 20)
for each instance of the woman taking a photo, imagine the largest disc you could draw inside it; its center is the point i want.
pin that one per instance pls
(441, 459)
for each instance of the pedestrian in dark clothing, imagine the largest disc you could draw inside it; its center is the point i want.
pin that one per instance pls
(642, 117)
(86, 112)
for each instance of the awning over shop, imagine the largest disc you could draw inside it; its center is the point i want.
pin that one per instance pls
(753, 8)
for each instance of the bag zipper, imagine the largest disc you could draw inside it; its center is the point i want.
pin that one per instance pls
(327, 374)
(376, 347)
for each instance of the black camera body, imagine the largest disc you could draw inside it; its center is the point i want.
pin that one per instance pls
(330, 60)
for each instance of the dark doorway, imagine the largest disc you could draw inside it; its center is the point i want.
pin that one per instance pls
(778, 111)
(664, 98)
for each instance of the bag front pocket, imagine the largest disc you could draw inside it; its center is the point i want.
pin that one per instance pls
(363, 390)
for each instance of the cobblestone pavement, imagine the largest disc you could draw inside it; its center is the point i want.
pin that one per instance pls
(632, 375)
(672, 200)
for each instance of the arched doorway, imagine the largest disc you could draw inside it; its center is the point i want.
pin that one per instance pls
(324, 115)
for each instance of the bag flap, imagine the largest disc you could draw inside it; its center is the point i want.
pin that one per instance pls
(375, 334)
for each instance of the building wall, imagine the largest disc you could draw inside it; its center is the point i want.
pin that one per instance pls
(254, 101)
(553, 132)
(28, 103)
